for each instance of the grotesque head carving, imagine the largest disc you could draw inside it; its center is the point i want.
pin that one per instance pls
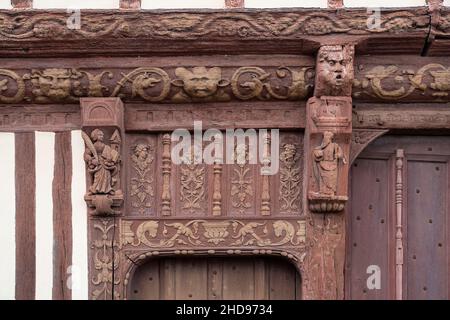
(334, 75)
(200, 83)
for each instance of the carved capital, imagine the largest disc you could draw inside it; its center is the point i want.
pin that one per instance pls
(328, 139)
(334, 71)
(102, 130)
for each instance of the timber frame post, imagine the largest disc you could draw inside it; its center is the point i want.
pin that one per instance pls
(327, 150)
(102, 122)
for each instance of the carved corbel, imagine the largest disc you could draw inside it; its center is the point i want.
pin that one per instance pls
(102, 130)
(329, 130)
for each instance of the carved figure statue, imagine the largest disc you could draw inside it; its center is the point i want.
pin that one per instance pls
(200, 84)
(334, 71)
(103, 163)
(326, 164)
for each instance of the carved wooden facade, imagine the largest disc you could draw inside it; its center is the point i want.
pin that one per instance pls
(317, 75)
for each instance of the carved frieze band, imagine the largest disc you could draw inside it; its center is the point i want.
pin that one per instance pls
(154, 84)
(393, 82)
(191, 25)
(200, 84)
(212, 233)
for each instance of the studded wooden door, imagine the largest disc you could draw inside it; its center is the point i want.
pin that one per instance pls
(245, 278)
(398, 220)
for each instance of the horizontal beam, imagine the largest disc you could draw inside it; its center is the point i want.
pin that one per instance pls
(293, 30)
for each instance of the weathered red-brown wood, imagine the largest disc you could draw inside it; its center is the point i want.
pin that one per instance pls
(62, 217)
(25, 216)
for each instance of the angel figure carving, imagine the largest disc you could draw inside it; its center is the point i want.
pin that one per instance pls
(102, 162)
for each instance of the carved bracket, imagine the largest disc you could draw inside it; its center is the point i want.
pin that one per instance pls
(102, 125)
(361, 139)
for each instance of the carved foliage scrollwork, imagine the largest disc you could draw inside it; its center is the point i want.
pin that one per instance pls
(291, 178)
(192, 186)
(242, 190)
(142, 192)
(201, 233)
(195, 84)
(212, 25)
(105, 261)
(394, 83)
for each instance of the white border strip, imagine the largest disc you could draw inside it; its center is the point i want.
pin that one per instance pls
(7, 217)
(45, 160)
(79, 271)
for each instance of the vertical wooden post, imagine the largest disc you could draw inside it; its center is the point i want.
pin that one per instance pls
(399, 234)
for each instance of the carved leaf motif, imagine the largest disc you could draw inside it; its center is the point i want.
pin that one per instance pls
(192, 190)
(103, 262)
(141, 186)
(290, 179)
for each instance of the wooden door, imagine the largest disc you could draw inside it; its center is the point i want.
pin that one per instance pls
(398, 219)
(246, 278)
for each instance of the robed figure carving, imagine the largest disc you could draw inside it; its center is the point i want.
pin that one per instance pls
(102, 162)
(326, 164)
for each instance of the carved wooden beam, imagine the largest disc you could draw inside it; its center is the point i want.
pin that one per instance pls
(146, 32)
(102, 130)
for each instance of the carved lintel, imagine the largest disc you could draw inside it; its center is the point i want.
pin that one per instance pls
(328, 138)
(334, 71)
(361, 139)
(166, 172)
(102, 125)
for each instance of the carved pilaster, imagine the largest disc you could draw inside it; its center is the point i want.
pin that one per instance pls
(102, 126)
(265, 194)
(217, 194)
(398, 226)
(166, 172)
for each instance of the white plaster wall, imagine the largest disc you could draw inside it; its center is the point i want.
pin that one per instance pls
(5, 4)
